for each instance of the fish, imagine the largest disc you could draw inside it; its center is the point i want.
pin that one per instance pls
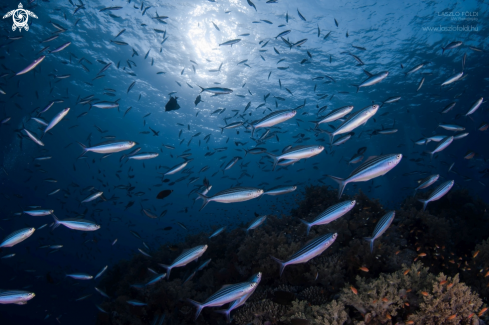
(453, 78)
(144, 156)
(34, 138)
(312, 249)
(56, 119)
(177, 168)
(241, 301)
(334, 115)
(372, 79)
(76, 224)
(92, 197)
(474, 106)
(448, 108)
(183, 259)
(163, 194)
(450, 46)
(438, 193)
(18, 297)
(256, 223)
(31, 66)
(226, 294)
(380, 228)
(329, 215)
(272, 119)
(373, 167)
(441, 146)
(172, 104)
(359, 118)
(39, 213)
(280, 190)
(216, 90)
(424, 183)
(296, 153)
(101, 272)
(108, 147)
(217, 232)
(231, 42)
(232, 195)
(17, 237)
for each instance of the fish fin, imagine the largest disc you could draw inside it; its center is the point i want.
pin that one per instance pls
(168, 270)
(425, 203)
(198, 305)
(202, 89)
(205, 199)
(341, 182)
(226, 312)
(307, 224)
(84, 149)
(368, 73)
(282, 264)
(275, 159)
(371, 241)
(56, 222)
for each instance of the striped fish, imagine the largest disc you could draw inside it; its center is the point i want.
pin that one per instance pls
(296, 153)
(381, 227)
(224, 295)
(424, 183)
(80, 276)
(76, 224)
(108, 147)
(232, 195)
(438, 193)
(474, 106)
(279, 190)
(256, 223)
(56, 119)
(442, 145)
(373, 167)
(177, 168)
(239, 302)
(359, 118)
(309, 251)
(186, 257)
(334, 115)
(217, 232)
(17, 237)
(39, 213)
(17, 297)
(330, 214)
(272, 119)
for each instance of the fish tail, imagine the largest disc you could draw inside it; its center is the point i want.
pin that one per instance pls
(331, 137)
(307, 224)
(431, 155)
(282, 264)
(252, 130)
(226, 312)
(371, 241)
(205, 199)
(56, 221)
(358, 87)
(275, 159)
(341, 182)
(443, 51)
(415, 190)
(222, 130)
(198, 305)
(202, 89)
(425, 203)
(316, 124)
(168, 270)
(84, 149)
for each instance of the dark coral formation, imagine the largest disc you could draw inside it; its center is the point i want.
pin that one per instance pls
(430, 267)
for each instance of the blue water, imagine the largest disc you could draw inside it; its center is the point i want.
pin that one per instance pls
(395, 36)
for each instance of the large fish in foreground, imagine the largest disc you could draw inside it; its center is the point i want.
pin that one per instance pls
(186, 257)
(309, 251)
(76, 224)
(239, 302)
(373, 167)
(359, 118)
(108, 147)
(438, 193)
(17, 236)
(296, 153)
(232, 195)
(224, 295)
(17, 297)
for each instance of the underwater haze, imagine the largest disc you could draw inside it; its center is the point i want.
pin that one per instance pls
(273, 146)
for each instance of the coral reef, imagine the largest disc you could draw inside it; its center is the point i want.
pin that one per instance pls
(429, 267)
